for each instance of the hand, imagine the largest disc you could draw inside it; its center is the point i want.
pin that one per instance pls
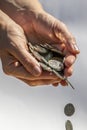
(44, 28)
(41, 27)
(15, 56)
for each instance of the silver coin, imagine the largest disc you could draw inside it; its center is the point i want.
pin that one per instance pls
(69, 109)
(49, 56)
(55, 64)
(68, 125)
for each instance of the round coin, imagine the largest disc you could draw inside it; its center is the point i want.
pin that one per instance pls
(68, 125)
(55, 64)
(69, 109)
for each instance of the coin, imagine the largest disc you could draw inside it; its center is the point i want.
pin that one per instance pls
(69, 109)
(55, 64)
(68, 125)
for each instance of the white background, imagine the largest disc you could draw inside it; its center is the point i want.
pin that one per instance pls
(42, 108)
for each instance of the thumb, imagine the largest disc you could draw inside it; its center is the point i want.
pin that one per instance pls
(28, 61)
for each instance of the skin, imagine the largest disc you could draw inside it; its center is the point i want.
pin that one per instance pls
(15, 57)
(31, 23)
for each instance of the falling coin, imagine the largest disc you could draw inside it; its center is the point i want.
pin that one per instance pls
(69, 109)
(68, 125)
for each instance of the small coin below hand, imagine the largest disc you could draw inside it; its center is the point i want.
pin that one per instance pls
(69, 109)
(68, 125)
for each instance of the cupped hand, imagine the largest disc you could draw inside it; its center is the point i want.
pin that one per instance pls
(43, 28)
(16, 59)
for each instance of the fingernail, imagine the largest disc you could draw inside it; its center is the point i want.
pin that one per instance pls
(76, 48)
(36, 71)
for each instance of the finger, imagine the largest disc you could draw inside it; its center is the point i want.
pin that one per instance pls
(60, 47)
(55, 84)
(13, 67)
(68, 71)
(22, 73)
(38, 82)
(28, 61)
(63, 34)
(69, 60)
(63, 83)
